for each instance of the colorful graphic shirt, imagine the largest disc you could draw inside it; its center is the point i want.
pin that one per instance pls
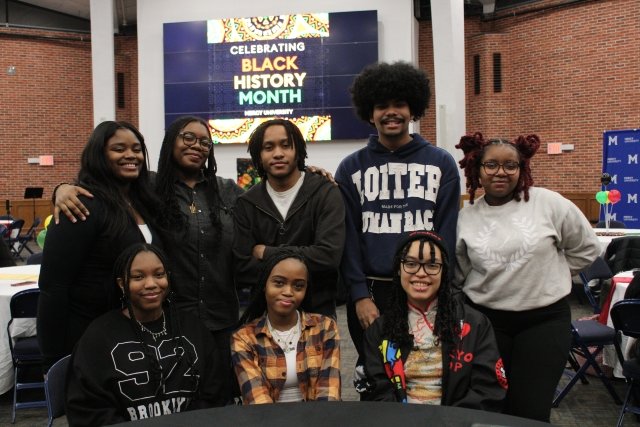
(473, 375)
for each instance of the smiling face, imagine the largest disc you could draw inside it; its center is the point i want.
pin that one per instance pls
(191, 160)
(278, 156)
(148, 286)
(285, 289)
(391, 119)
(124, 155)
(421, 288)
(499, 187)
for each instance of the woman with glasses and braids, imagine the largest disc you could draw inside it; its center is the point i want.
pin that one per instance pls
(78, 258)
(281, 353)
(429, 347)
(517, 248)
(146, 359)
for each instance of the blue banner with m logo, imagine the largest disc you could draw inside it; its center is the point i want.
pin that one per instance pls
(621, 160)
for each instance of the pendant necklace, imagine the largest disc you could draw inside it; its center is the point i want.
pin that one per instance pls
(155, 335)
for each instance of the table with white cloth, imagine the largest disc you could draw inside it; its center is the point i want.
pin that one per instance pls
(20, 327)
(619, 285)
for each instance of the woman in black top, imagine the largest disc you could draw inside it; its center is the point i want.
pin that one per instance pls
(76, 266)
(144, 360)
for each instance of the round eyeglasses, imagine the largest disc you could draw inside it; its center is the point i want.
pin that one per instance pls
(412, 267)
(190, 140)
(492, 168)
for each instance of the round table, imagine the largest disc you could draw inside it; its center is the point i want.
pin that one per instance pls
(323, 414)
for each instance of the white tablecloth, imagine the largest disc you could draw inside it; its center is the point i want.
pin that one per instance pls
(20, 327)
(619, 284)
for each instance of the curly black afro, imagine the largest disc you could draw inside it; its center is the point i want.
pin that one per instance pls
(382, 82)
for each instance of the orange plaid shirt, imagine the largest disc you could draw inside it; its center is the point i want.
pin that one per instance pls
(261, 367)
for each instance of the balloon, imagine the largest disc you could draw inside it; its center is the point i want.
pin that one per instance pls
(614, 196)
(605, 179)
(47, 220)
(602, 197)
(40, 239)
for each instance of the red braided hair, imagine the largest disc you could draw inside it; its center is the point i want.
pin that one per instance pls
(474, 146)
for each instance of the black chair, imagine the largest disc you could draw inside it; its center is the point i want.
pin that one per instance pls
(13, 231)
(11, 234)
(588, 334)
(612, 224)
(598, 270)
(24, 239)
(35, 258)
(25, 352)
(625, 316)
(54, 388)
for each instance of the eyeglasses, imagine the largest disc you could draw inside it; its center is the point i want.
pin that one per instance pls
(412, 267)
(190, 139)
(492, 168)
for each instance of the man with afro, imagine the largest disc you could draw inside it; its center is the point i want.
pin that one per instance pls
(397, 183)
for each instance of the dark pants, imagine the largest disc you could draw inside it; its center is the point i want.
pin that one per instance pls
(534, 345)
(381, 293)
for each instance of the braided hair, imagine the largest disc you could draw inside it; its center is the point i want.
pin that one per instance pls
(474, 146)
(122, 274)
(293, 134)
(395, 322)
(168, 174)
(258, 302)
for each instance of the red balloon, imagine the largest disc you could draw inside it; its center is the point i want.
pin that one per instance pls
(614, 196)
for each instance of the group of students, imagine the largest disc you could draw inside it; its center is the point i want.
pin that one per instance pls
(443, 307)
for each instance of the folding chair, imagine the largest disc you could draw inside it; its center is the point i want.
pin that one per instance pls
(23, 239)
(25, 352)
(598, 270)
(54, 388)
(586, 334)
(13, 231)
(625, 316)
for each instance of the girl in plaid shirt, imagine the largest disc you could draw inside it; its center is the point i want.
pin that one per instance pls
(282, 354)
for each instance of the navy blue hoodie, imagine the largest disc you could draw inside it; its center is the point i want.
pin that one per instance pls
(387, 193)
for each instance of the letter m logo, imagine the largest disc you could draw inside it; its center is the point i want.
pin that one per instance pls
(633, 159)
(632, 198)
(613, 140)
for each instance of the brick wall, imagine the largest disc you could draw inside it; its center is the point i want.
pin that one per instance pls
(568, 73)
(126, 62)
(47, 107)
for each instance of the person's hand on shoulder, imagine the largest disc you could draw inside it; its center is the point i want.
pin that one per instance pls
(322, 172)
(66, 201)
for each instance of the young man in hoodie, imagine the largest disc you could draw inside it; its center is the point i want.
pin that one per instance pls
(289, 209)
(397, 183)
